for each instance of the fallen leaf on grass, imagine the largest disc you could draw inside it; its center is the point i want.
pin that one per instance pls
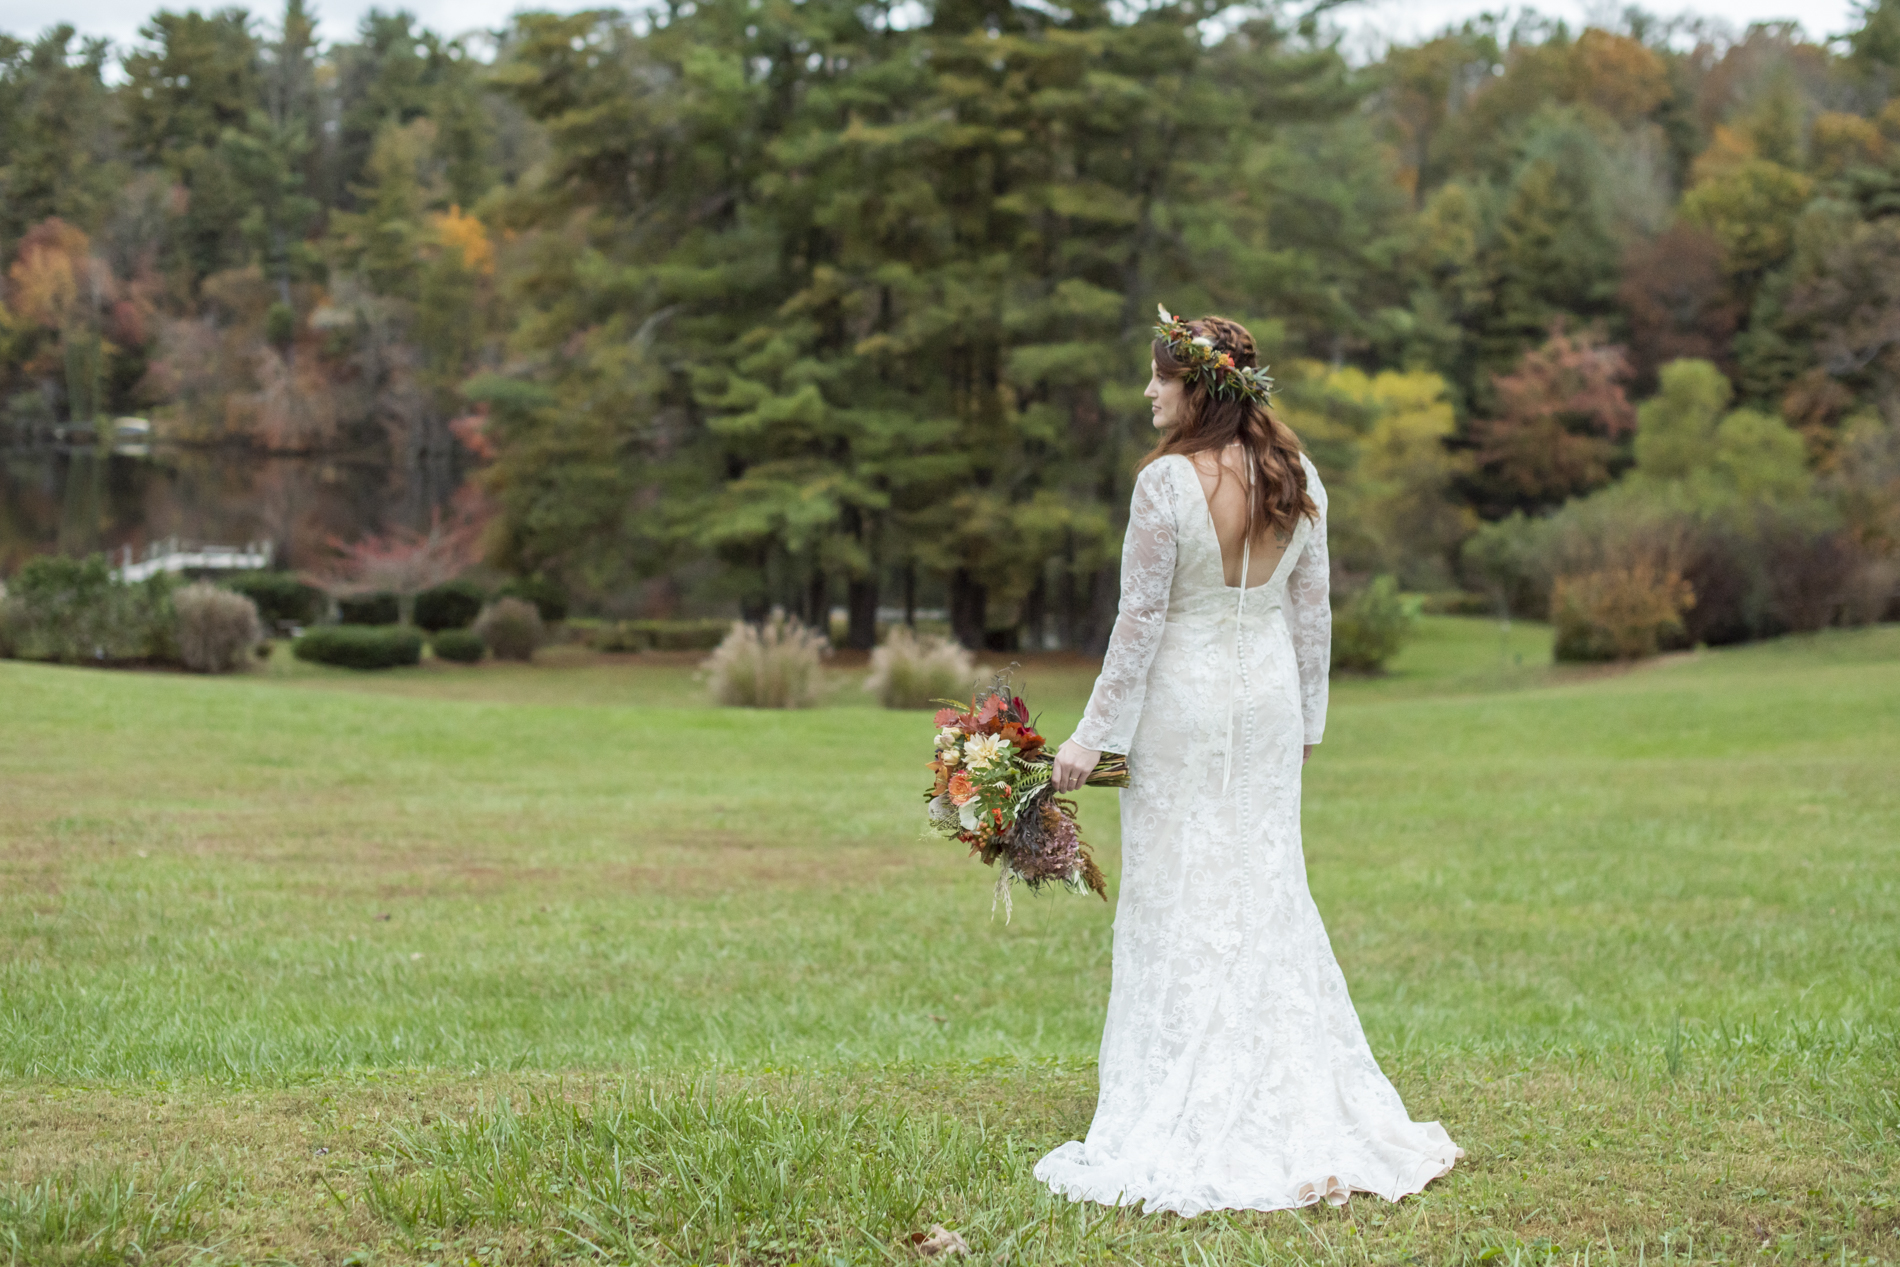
(940, 1241)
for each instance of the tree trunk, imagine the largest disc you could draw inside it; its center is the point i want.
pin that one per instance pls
(861, 600)
(1068, 613)
(817, 603)
(910, 595)
(969, 609)
(1035, 613)
(1104, 594)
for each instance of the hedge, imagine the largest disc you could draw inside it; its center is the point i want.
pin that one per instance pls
(369, 609)
(280, 597)
(548, 598)
(463, 646)
(451, 606)
(660, 635)
(360, 646)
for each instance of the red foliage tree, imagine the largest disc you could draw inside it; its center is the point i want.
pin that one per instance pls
(405, 562)
(1559, 417)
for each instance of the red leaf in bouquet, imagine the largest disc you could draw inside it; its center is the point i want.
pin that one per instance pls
(993, 707)
(948, 717)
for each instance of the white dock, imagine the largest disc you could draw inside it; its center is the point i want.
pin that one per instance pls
(173, 555)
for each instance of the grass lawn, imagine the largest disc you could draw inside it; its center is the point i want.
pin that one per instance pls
(531, 964)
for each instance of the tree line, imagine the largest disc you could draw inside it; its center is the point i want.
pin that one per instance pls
(734, 304)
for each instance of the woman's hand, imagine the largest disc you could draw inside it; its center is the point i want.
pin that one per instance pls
(1074, 764)
(1305, 753)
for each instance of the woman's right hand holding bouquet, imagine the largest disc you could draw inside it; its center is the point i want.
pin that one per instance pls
(1073, 765)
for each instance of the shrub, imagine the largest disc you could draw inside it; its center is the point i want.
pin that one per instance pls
(1618, 613)
(549, 599)
(215, 627)
(774, 665)
(463, 646)
(909, 671)
(75, 613)
(660, 635)
(369, 609)
(360, 646)
(451, 606)
(511, 629)
(1372, 627)
(281, 598)
(1809, 570)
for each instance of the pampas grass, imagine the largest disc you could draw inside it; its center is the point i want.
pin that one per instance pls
(909, 671)
(511, 628)
(216, 628)
(774, 665)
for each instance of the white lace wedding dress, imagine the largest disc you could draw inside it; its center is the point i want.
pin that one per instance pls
(1234, 1072)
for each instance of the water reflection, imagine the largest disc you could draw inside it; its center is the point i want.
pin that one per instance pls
(74, 498)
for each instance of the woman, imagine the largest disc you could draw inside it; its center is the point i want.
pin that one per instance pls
(1234, 1072)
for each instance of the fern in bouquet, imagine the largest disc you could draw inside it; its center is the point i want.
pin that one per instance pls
(991, 792)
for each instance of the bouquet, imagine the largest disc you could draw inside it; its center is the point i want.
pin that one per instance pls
(991, 792)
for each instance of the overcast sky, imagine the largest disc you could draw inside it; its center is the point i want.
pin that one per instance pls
(1368, 22)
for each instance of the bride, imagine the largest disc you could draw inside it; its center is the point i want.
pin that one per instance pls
(1234, 1072)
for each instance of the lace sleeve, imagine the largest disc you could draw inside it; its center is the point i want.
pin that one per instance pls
(1148, 552)
(1310, 613)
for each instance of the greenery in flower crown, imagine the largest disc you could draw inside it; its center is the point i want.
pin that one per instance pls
(1216, 369)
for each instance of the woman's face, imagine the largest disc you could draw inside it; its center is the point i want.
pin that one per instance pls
(1165, 396)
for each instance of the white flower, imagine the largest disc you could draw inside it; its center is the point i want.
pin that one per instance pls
(980, 750)
(1202, 341)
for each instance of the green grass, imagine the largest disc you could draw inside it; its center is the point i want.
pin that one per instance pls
(491, 931)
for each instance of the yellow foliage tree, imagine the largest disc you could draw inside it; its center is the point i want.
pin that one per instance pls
(1384, 436)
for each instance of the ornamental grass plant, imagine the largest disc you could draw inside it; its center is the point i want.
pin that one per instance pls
(913, 670)
(773, 665)
(216, 627)
(511, 628)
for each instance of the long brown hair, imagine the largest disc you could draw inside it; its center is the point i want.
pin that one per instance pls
(1211, 423)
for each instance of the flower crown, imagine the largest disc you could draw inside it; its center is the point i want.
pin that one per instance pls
(1224, 380)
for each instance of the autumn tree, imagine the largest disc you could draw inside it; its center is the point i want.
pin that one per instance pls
(1560, 417)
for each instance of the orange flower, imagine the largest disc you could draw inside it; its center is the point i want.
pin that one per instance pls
(962, 791)
(1021, 738)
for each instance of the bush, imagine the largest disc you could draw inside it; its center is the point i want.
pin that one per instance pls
(215, 627)
(1372, 627)
(660, 635)
(360, 646)
(281, 598)
(774, 665)
(511, 629)
(369, 609)
(1618, 613)
(463, 646)
(451, 606)
(549, 599)
(909, 671)
(75, 613)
